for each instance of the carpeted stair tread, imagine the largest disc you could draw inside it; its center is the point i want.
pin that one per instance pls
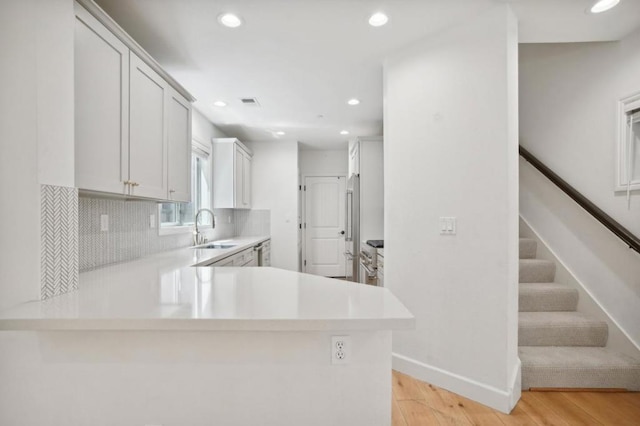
(578, 367)
(560, 329)
(537, 271)
(541, 297)
(528, 248)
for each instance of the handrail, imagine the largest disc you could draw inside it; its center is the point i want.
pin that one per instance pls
(623, 233)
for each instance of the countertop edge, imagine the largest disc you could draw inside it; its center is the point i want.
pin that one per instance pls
(200, 324)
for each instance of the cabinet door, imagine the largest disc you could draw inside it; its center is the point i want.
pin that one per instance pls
(179, 141)
(147, 131)
(244, 258)
(101, 66)
(238, 179)
(224, 262)
(246, 181)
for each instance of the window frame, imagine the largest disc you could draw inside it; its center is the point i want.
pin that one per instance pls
(200, 150)
(625, 105)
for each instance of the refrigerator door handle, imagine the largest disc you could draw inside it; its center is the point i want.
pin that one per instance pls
(348, 211)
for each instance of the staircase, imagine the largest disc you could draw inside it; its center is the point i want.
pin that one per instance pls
(560, 347)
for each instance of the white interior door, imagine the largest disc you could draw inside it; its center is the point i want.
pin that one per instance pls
(324, 226)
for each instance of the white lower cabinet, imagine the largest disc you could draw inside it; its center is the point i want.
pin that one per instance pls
(380, 274)
(224, 262)
(247, 257)
(266, 253)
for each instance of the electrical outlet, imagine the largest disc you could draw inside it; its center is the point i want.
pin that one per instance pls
(104, 222)
(340, 349)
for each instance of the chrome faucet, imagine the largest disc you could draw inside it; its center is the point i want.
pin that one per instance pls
(198, 238)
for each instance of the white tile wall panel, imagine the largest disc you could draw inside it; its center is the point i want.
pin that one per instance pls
(130, 236)
(59, 240)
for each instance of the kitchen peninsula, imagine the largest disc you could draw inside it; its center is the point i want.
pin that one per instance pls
(159, 342)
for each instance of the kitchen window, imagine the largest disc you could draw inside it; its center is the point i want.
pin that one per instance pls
(179, 217)
(628, 170)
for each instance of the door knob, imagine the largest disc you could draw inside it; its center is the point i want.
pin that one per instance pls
(341, 232)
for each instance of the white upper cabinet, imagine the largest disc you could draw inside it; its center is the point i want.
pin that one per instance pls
(246, 180)
(101, 107)
(147, 131)
(132, 120)
(179, 137)
(231, 174)
(354, 157)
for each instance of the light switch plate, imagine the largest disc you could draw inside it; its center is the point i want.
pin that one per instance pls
(447, 225)
(152, 221)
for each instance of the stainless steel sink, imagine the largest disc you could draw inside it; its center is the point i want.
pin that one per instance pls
(215, 246)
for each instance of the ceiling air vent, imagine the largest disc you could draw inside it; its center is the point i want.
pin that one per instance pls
(250, 101)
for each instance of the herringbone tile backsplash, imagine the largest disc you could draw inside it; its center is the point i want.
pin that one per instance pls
(71, 240)
(59, 240)
(130, 236)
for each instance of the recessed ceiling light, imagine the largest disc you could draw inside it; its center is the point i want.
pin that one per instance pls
(344, 132)
(353, 101)
(280, 133)
(603, 5)
(220, 103)
(230, 20)
(378, 19)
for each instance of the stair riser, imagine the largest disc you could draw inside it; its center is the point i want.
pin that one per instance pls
(562, 336)
(528, 249)
(548, 301)
(537, 272)
(596, 377)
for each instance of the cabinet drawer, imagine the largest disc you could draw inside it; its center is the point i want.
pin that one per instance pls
(243, 257)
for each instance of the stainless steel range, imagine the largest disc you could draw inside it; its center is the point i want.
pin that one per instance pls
(369, 261)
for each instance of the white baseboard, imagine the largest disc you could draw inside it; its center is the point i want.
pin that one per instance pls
(498, 399)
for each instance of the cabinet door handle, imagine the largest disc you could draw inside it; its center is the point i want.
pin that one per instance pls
(135, 184)
(127, 182)
(171, 191)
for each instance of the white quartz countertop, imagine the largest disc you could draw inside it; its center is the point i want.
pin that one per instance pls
(164, 292)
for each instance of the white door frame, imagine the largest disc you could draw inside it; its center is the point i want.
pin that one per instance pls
(303, 205)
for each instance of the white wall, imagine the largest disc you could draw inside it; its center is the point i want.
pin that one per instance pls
(274, 181)
(203, 130)
(54, 21)
(324, 163)
(450, 131)
(36, 131)
(568, 101)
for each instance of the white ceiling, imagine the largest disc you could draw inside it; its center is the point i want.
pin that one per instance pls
(303, 59)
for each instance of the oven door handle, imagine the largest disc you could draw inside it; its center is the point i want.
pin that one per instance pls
(370, 272)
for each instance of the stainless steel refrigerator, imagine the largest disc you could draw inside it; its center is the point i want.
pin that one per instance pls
(352, 224)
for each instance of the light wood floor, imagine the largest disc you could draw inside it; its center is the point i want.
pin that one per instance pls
(419, 403)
